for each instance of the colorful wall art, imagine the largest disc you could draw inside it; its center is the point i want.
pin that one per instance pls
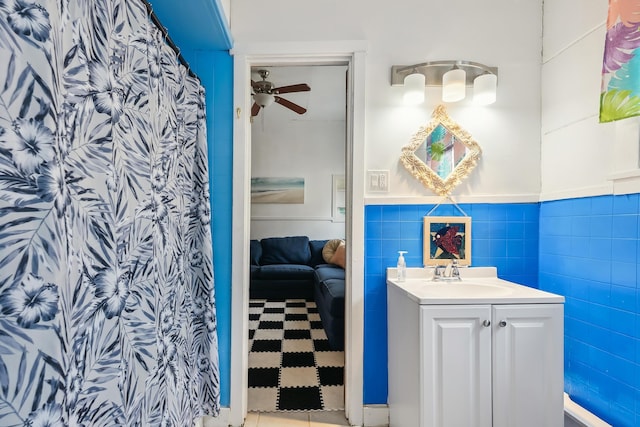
(620, 94)
(447, 238)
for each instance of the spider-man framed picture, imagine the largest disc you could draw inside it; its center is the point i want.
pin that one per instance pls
(447, 238)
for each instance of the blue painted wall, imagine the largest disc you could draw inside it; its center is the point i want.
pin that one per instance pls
(503, 235)
(589, 252)
(215, 70)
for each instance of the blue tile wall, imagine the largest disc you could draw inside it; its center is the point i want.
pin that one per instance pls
(503, 235)
(589, 252)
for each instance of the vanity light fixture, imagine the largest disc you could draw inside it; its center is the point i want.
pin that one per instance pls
(453, 76)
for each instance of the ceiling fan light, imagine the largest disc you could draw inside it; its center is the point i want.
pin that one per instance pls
(454, 85)
(414, 89)
(263, 99)
(484, 89)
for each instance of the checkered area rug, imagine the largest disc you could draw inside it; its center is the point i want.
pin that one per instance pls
(291, 367)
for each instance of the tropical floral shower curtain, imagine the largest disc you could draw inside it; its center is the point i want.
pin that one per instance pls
(107, 312)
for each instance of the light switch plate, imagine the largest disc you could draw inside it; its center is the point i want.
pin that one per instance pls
(378, 181)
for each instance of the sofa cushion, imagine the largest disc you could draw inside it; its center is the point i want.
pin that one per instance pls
(316, 247)
(285, 250)
(332, 291)
(254, 272)
(328, 271)
(285, 272)
(255, 252)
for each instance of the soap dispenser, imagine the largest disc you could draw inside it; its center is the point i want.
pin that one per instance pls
(401, 267)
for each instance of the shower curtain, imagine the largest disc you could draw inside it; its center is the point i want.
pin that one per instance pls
(107, 312)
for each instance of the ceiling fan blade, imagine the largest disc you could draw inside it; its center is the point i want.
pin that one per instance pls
(290, 105)
(255, 109)
(302, 87)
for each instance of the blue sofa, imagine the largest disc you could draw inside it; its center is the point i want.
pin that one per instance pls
(328, 293)
(293, 267)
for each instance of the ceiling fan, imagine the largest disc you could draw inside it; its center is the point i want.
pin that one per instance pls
(265, 93)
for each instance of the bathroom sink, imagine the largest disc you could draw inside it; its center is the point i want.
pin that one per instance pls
(466, 289)
(479, 285)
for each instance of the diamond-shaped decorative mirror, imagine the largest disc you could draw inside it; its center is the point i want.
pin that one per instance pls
(441, 154)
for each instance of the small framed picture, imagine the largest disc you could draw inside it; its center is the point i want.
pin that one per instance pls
(447, 238)
(338, 201)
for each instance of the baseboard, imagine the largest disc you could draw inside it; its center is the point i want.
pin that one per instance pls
(376, 415)
(222, 420)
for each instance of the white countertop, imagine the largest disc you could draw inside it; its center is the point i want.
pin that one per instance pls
(479, 285)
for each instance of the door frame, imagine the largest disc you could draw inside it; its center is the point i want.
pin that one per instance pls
(352, 54)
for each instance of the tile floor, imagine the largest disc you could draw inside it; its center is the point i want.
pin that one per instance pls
(296, 419)
(291, 366)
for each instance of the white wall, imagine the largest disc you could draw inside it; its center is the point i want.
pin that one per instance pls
(580, 156)
(504, 33)
(311, 146)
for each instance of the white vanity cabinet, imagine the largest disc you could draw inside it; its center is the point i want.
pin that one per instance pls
(474, 365)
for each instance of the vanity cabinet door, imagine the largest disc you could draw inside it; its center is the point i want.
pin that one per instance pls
(528, 365)
(456, 354)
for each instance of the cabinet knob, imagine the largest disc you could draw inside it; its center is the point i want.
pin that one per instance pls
(503, 323)
(486, 323)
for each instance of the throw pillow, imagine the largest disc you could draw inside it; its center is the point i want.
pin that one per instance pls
(330, 248)
(340, 256)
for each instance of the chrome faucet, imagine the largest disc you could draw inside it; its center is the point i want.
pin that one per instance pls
(447, 272)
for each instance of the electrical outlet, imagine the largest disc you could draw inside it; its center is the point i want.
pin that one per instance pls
(383, 181)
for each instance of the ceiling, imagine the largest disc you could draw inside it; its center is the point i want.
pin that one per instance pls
(199, 26)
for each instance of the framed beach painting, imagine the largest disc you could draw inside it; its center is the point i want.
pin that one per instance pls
(447, 238)
(277, 190)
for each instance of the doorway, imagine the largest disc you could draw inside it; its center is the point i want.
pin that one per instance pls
(298, 151)
(350, 54)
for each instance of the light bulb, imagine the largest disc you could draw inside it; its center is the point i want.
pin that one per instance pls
(263, 99)
(414, 89)
(454, 85)
(484, 89)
